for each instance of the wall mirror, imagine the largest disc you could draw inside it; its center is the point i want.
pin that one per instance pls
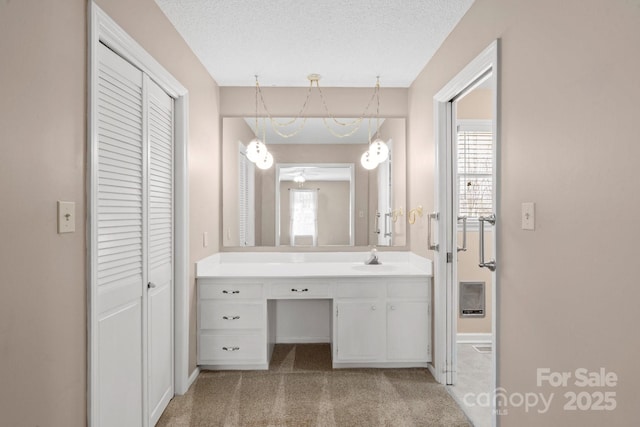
(316, 193)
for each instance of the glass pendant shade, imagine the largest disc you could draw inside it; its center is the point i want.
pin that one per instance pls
(379, 150)
(256, 150)
(266, 161)
(367, 161)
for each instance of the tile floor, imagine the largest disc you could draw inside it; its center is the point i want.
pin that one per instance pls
(474, 376)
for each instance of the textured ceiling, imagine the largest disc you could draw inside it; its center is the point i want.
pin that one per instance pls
(347, 42)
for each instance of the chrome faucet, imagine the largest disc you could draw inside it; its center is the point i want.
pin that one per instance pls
(373, 258)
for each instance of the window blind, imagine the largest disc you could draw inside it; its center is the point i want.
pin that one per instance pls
(246, 202)
(475, 171)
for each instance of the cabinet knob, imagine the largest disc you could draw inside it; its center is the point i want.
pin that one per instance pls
(393, 307)
(151, 285)
(373, 307)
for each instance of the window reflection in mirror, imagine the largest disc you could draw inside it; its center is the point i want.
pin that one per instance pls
(316, 204)
(354, 206)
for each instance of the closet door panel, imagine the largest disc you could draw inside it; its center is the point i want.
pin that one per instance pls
(160, 260)
(120, 254)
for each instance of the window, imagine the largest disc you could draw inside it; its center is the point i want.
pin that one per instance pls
(304, 217)
(475, 169)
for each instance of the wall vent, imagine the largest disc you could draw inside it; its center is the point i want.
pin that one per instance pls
(472, 299)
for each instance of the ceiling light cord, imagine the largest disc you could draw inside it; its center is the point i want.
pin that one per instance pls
(354, 124)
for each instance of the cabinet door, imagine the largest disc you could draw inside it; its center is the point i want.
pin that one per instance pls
(360, 330)
(408, 330)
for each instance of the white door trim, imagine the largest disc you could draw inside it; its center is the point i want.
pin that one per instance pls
(103, 29)
(486, 60)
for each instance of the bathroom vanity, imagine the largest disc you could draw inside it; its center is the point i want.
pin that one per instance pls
(380, 314)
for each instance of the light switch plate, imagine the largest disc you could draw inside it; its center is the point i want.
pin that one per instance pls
(66, 217)
(528, 216)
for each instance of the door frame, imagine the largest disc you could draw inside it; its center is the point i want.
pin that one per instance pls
(103, 29)
(445, 313)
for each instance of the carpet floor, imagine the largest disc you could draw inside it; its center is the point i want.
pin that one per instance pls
(300, 389)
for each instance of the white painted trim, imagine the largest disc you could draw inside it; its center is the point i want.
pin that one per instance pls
(303, 340)
(92, 190)
(103, 29)
(443, 320)
(432, 369)
(181, 259)
(379, 365)
(474, 338)
(193, 377)
(240, 367)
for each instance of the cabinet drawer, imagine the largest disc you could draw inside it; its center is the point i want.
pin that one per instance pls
(300, 289)
(358, 290)
(229, 315)
(412, 289)
(230, 348)
(230, 291)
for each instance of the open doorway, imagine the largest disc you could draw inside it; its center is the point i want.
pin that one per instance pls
(472, 198)
(464, 257)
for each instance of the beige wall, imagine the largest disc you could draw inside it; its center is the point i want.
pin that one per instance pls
(476, 105)
(567, 291)
(43, 141)
(42, 156)
(333, 211)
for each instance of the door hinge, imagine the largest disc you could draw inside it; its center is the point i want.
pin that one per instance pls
(449, 257)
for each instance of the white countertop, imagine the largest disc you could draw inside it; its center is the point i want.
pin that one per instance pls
(312, 264)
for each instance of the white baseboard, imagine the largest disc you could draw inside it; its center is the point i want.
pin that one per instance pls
(302, 340)
(193, 377)
(432, 369)
(474, 338)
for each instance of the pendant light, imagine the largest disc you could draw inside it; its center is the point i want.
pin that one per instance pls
(367, 161)
(265, 161)
(257, 150)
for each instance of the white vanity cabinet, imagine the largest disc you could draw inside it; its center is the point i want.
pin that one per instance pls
(382, 322)
(380, 315)
(408, 320)
(231, 323)
(359, 331)
(359, 323)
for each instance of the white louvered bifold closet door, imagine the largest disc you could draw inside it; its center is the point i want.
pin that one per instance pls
(160, 314)
(132, 376)
(119, 219)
